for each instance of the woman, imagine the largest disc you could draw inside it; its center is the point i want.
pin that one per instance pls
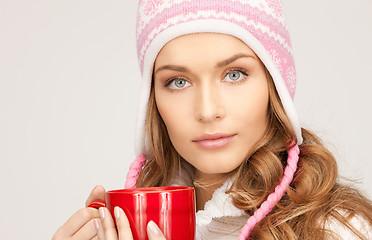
(216, 112)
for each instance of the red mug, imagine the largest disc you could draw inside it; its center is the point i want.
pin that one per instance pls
(171, 208)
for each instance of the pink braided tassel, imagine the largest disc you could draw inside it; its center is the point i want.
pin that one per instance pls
(274, 197)
(134, 171)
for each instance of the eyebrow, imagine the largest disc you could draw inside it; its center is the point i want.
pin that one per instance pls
(173, 67)
(234, 58)
(218, 65)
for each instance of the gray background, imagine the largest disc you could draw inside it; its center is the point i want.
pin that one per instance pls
(69, 81)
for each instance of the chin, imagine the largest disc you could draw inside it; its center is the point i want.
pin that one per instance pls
(214, 167)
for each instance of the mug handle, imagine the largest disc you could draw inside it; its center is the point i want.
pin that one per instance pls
(97, 204)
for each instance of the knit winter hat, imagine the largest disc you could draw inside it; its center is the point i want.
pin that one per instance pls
(260, 24)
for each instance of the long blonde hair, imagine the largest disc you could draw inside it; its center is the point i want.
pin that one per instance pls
(313, 196)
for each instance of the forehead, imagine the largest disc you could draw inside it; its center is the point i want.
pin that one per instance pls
(201, 46)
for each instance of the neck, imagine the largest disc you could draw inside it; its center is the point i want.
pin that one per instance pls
(205, 185)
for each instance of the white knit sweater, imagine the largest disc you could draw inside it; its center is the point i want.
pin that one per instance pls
(221, 220)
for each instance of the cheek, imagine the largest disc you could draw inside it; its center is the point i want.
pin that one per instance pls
(176, 116)
(249, 111)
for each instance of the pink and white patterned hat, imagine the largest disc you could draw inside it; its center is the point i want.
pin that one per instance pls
(261, 24)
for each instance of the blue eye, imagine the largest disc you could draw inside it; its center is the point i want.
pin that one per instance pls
(178, 84)
(235, 76)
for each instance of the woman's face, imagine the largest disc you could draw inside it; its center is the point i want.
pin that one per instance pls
(211, 91)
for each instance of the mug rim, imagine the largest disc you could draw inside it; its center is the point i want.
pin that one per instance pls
(150, 190)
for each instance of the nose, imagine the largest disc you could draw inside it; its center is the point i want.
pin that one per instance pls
(209, 103)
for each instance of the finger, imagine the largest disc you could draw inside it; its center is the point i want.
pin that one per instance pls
(88, 231)
(154, 232)
(123, 224)
(98, 193)
(77, 221)
(100, 234)
(108, 225)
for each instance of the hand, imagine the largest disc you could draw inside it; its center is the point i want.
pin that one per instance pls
(84, 223)
(107, 230)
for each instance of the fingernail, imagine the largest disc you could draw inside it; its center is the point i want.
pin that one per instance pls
(95, 187)
(117, 212)
(102, 213)
(153, 228)
(96, 224)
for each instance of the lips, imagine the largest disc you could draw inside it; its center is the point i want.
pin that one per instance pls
(214, 141)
